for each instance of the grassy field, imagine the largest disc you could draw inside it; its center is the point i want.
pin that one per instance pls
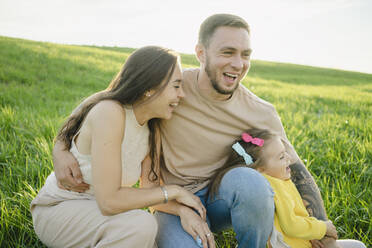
(327, 115)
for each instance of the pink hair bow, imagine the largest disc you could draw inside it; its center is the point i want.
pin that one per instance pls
(257, 141)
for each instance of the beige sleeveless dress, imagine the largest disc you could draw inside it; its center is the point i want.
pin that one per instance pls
(59, 214)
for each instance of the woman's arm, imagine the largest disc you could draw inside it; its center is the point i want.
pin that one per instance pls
(193, 223)
(172, 207)
(106, 122)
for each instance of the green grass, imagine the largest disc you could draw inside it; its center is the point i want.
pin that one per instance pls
(327, 115)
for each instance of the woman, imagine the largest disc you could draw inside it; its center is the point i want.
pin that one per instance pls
(110, 135)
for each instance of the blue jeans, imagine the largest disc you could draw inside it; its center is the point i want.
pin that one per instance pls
(244, 202)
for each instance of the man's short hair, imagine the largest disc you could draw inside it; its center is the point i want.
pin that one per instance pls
(213, 22)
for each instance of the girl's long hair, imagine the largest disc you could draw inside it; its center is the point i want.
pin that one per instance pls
(144, 70)
(235, 160)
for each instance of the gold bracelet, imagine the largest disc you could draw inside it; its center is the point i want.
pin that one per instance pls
(165, 192)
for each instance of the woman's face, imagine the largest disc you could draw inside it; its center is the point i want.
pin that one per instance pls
(169, 98)
(275, 159)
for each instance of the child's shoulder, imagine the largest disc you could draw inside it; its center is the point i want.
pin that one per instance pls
(277, 183)
(273, 179)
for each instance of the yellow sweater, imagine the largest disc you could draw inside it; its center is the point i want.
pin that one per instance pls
(291, 217)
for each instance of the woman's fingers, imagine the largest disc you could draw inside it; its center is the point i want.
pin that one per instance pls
(193, 224)
(209, 235)
(193, 233)
(190, 220)
(199, 229)
(205, 235)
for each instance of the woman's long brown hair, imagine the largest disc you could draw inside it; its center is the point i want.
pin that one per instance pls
(145, 69)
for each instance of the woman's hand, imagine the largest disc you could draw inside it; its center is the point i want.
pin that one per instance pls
(189, 199)
(331, 230)
(193, 224)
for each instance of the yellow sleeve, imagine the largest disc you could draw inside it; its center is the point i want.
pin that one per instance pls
(292, 215)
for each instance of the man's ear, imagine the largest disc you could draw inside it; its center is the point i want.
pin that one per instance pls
(200, 52)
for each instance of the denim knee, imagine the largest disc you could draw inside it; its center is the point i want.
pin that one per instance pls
(245, 200)
(245, 185)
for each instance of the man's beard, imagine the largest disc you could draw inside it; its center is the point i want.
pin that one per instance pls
(212, 77)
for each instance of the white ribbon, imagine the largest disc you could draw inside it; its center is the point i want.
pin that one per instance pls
(240, 150)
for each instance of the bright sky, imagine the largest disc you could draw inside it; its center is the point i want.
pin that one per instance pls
(325, 33)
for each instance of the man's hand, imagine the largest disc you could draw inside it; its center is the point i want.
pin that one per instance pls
(329, 242)
(316, 243)
(67, 171)
(193, 224)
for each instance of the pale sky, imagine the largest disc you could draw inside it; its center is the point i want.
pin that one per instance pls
(324, 33)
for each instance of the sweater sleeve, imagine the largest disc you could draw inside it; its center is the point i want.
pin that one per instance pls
(292, 215)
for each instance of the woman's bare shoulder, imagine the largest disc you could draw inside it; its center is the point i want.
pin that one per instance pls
(107, 114)
(108, 109)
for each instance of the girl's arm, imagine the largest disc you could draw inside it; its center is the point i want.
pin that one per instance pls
(300, 176)
(292, 215)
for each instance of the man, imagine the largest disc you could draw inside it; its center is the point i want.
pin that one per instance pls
(195, 142)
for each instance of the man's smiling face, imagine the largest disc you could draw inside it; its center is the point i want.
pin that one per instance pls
(228, 58)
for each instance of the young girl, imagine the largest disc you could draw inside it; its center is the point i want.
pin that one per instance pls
(293, 227)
